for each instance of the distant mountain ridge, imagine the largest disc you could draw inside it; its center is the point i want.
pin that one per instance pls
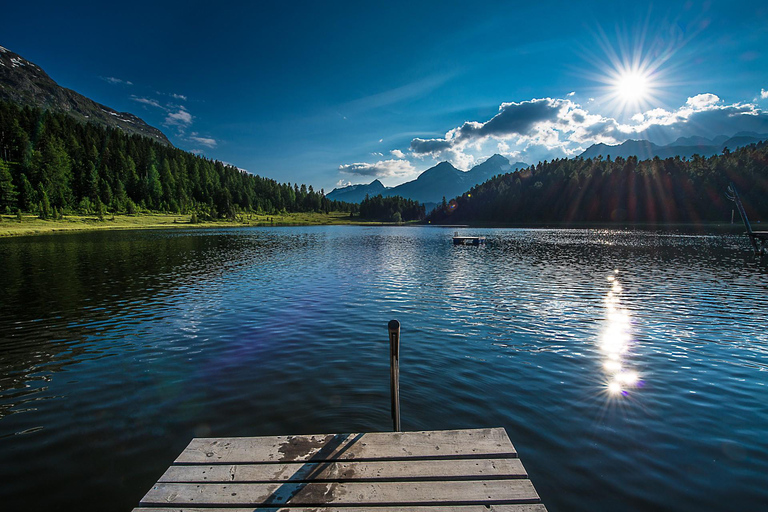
(356, 193)
(683, 147)
(25, 83)
(442, 180)
(574, 191)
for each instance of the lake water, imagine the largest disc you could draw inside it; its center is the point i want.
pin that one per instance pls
(628, 367)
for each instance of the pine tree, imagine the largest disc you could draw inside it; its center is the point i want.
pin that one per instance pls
(44, 208)
(7, 189)
(26, 194)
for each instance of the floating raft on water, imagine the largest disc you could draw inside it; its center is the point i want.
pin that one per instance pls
(432, 471)
(468, 240)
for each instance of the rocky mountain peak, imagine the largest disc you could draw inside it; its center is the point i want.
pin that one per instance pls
(25, 83)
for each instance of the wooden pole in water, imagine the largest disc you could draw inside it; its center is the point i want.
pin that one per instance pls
(394, 371)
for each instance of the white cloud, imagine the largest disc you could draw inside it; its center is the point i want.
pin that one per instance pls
(572, 93)
(115, 81)
(525, 120)
(181, 97)
(382, 168)
(205, 141)
(376, 153)
(518, 124)
(702, 101)
(147, 101)
(397, 154)
(763, 94)
(561, 128)
(180, 118)
(343, 183)
(461, 159)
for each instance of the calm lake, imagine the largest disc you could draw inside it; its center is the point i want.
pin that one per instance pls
(629, 368)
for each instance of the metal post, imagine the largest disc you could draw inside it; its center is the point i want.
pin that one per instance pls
(394, 371)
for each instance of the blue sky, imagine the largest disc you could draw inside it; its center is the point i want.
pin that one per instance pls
(329, 93)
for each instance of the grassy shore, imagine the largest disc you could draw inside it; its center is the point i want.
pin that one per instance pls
(32, 225)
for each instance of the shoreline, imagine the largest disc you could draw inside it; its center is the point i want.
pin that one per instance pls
(702, 227)
(31, 225)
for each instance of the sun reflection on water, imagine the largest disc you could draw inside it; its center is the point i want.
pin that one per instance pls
(615, 343)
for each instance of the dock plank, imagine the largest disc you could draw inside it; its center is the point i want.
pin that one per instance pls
(492, 442)
(347, 493)
(521, 507)
(432, 471)
(345, 471)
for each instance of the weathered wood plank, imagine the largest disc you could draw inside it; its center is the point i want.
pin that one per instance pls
(491, 442)
(351, 493)
(346, 471)
(424, 508)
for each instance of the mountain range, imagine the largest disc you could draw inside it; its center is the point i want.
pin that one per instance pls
(444, 180)
(432, 185)
(25, 83)
(683, 147)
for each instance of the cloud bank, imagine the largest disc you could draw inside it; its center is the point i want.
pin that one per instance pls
(561, 127)
(382, 168)
(547, 128)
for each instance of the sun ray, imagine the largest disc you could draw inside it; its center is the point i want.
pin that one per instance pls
(635, 69)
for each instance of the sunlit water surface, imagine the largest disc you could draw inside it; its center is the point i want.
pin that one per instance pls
(629, 368)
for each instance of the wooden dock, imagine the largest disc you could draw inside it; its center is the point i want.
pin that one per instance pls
(431, 471)
(754, 236)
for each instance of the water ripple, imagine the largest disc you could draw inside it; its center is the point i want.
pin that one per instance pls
(618, 361)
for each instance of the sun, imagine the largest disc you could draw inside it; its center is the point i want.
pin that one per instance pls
(632, 86)
(632, 71)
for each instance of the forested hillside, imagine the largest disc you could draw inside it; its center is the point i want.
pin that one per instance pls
(620, 190)
(391, 209)
(52, 164)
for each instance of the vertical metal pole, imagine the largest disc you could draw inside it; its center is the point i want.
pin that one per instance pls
(394, 371)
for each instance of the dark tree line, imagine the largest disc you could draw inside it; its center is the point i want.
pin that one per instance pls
(51, 164)
(391, 209)
(621, 190)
